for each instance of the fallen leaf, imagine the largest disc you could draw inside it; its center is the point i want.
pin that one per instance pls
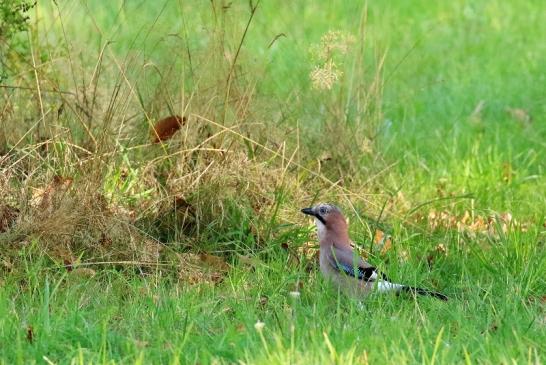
(68, 265)
(521, 115)
(382, 241)
(166, 128)
(441, 249)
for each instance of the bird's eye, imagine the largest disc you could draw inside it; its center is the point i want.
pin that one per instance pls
(322, 210)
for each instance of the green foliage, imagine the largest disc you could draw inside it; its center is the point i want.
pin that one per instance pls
(13, 19)
(117, 317)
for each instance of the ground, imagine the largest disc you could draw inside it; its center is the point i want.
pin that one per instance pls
(425, 122)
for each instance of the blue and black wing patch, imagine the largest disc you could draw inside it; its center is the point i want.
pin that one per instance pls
(360, 273)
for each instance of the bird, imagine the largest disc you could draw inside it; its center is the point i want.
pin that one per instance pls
(343, 266)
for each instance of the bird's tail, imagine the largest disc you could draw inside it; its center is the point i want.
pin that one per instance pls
(421, 291)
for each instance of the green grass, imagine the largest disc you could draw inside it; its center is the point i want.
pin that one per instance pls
(118, 317)
(442, 59)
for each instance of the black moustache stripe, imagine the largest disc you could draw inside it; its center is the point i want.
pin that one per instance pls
(321, 219)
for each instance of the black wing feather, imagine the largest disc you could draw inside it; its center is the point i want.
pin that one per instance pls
(360, 273)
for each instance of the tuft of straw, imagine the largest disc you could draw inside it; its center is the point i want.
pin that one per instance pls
(323, 77)
(332, 45)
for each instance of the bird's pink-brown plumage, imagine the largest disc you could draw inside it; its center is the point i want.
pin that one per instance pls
(342, 265)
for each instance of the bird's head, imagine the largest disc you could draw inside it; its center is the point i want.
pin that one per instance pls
(328, 217)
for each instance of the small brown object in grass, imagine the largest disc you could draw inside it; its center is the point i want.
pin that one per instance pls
(68, 265)
(166, 128)
(202, 268)
(382, 241)
(47, 199)
(520, 115)
(214, 262)
(439, 250)
(264, 299)
(30, 334)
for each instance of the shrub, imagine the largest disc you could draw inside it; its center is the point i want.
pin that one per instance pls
(13, 19)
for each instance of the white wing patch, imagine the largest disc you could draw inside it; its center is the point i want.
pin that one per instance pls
(384, 286)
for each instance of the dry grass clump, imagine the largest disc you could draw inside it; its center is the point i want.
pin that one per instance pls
(231, 181)
(69, 223)
(332, 46)
(96, 172)
(200, 184)
(214, 199)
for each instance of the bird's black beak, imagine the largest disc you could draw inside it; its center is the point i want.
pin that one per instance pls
(311, 211)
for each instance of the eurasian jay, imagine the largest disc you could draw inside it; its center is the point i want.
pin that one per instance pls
(342, 265)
